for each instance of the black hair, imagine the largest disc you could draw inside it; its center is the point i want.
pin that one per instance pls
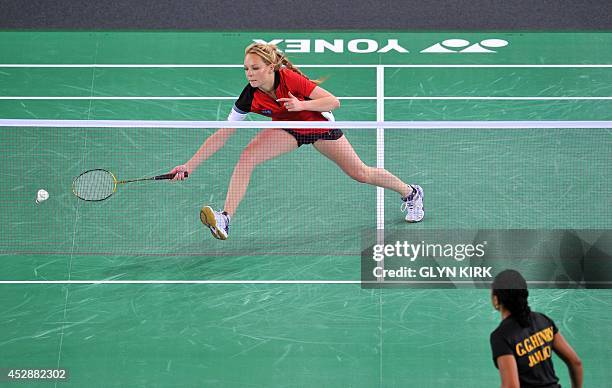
(511, 290)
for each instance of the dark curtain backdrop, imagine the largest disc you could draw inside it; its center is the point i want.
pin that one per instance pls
(300, 15)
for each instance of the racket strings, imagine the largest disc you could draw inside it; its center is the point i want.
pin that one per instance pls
(94, 185)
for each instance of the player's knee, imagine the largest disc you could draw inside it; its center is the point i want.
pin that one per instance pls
(247, 159)
(360, 174)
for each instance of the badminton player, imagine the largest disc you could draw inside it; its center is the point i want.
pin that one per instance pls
(278, 89)
(523, 342)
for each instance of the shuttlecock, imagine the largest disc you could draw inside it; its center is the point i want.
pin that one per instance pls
(42, 195)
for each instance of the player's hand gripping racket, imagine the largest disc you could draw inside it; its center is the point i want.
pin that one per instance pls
(98, 184)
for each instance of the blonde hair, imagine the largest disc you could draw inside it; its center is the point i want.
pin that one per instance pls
(271, 55)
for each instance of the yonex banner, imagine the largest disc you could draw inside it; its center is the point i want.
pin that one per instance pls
(311, 47)
(471, 258)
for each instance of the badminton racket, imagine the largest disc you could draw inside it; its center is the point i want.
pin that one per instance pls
(99, 184)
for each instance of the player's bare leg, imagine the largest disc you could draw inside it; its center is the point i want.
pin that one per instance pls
(341, 152)
(266, 145)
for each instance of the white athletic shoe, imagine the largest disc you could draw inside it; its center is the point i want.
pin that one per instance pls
(413, 205)
(217, 222)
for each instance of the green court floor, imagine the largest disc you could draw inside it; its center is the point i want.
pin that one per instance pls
(301, 219)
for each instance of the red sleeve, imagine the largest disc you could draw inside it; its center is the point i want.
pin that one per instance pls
(297, 84)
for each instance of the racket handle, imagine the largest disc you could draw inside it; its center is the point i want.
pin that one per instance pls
(169, 176)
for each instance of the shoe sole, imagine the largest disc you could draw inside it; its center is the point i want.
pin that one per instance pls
(207, 216)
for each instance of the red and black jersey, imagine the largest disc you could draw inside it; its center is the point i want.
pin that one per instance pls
(254, 100)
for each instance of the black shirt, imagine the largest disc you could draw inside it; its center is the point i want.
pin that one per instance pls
(531, 347)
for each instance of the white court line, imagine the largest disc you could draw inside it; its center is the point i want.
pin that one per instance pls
(380, 147)
(187, 124)
(380, 159)
(551, 66)
(380, 199)
(170, 98)
(180, 281)
(13, 282)
(500, 98)
(143, 98)
(170, 65)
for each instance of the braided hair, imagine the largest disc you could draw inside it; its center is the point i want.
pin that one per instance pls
(272, 55)
(511, 290)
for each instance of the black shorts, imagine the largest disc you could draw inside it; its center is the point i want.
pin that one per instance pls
(332, 134)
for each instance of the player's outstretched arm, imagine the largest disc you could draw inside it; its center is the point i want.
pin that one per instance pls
(571, 359)
(211, 145)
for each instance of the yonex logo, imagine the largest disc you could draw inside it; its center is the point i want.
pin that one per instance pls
(366, 46)
(453, 46)
(358, 46)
